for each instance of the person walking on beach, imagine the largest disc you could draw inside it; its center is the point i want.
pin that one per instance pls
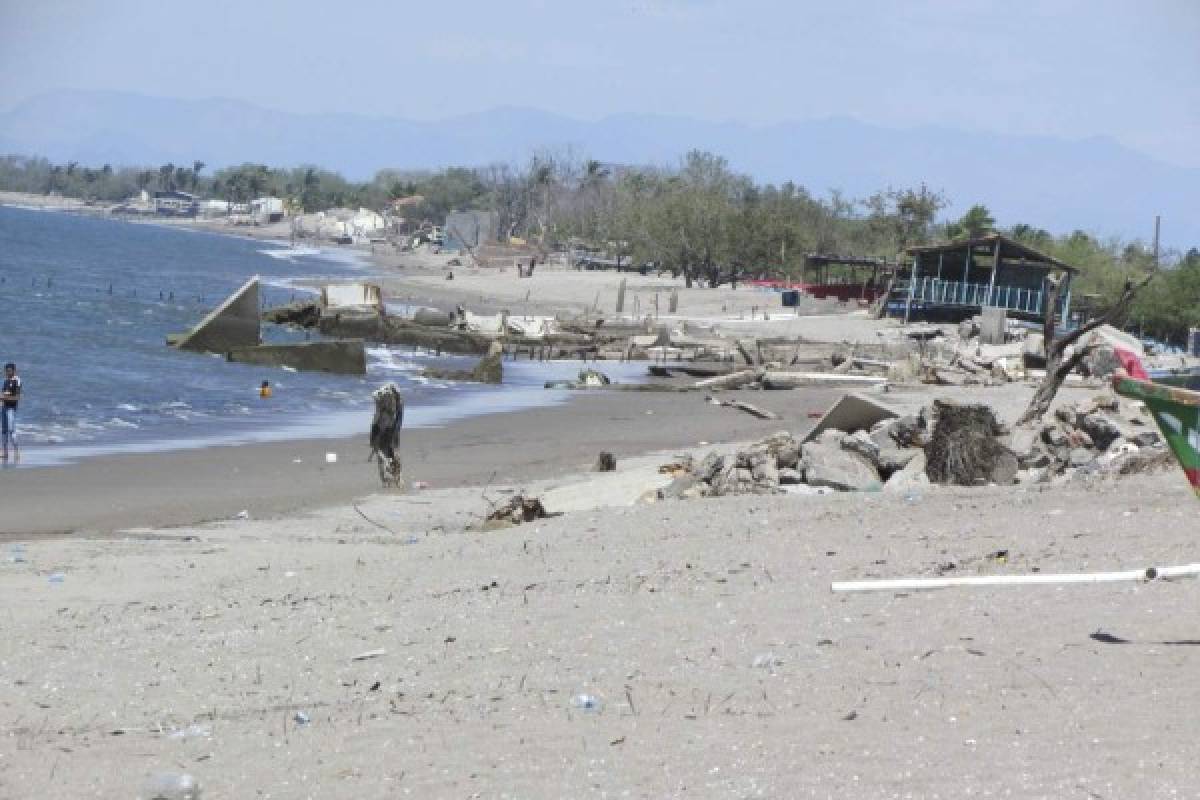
(10, 394)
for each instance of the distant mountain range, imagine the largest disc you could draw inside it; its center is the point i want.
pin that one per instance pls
(1095, 184)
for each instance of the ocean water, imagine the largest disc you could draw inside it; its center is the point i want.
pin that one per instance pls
(87, 304)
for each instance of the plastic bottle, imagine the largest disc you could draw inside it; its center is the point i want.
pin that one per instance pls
(586, 702)
(171, 786)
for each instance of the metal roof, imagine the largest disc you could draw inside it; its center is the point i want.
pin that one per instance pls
(1010, 247)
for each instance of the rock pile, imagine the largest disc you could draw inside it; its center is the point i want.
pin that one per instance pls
(1101, 434)
(947, 443)
(889, 456)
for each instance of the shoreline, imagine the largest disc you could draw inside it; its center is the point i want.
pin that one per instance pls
(191, 487)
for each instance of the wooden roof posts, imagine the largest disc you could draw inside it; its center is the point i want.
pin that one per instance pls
(995, 267)
(1015, 283)
(912, 287)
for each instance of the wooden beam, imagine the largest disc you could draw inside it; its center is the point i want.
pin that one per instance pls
(995, 267)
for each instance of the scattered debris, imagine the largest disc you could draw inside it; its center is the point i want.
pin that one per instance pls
(740, 405)
(519, 509)
(369, 654)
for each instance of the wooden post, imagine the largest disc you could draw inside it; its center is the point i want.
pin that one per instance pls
(995, 267)
(912, 286)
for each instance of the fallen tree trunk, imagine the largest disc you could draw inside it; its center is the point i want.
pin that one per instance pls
(1058, 363)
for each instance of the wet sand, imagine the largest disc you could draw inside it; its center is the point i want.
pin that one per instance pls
(191, 486)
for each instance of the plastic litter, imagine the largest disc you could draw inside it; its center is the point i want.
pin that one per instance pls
(301, 718)
(767, 660)
(194, 731)
(586, 702)
(171, 786)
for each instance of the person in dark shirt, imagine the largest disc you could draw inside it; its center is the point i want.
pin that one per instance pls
(10, 395)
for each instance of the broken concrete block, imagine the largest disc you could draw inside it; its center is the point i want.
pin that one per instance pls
(790, 477)
(825, 463)
(232, 324)
(854, 412)
(1102, 430)
(910, 477)
(860, 442)
(1080, 456)
(993, 324)
(345, 357)
(490, 368)
(1054, 436)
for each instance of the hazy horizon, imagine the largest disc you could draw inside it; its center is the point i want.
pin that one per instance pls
(1067, 69)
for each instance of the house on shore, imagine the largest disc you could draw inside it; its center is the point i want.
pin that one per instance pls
(174, 203)
(957, 280)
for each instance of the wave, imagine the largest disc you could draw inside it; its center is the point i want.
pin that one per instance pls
(291, 253)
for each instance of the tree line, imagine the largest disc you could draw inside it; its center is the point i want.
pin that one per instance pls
(699, 218)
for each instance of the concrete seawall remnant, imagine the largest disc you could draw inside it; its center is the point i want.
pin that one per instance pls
(346, 356)
(234, 323)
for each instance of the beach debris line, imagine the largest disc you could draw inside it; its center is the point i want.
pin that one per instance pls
(385, 434)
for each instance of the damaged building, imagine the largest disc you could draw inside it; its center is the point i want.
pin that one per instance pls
(953, 281)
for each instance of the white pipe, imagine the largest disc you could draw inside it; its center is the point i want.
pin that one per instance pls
(1148, 574)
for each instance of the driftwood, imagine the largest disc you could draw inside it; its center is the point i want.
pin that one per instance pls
(385, 434)
(731, 381)
(752, 410)
(773, 379)
(1058, 364)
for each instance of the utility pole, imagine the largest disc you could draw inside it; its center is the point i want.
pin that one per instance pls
(1157, 224)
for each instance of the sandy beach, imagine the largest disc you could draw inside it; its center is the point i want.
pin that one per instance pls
(345, 642)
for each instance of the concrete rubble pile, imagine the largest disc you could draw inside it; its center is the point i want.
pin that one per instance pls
(1103, 435)
(946, 443)
(887, 457)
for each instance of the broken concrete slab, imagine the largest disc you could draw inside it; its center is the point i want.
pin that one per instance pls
(345, 357)
(993, 323)
(853, 412)
(826, 463)
(347, 296)
(912, 476)
(232, 324)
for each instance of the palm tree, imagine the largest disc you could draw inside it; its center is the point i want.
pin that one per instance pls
(196, 167)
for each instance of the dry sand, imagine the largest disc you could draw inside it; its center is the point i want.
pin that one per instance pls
(722, 664)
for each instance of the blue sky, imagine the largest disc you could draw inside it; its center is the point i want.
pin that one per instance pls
(1069, 68)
